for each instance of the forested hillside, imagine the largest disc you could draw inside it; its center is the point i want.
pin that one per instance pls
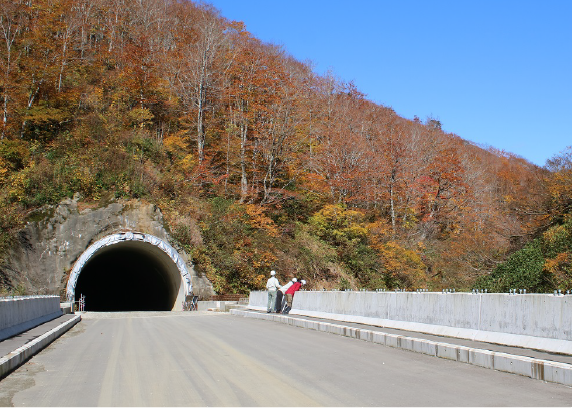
(255, 161)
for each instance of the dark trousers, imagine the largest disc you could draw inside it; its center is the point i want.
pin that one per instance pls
(279, 297)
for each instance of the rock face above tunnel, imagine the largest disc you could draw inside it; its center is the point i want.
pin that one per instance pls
(47, 249)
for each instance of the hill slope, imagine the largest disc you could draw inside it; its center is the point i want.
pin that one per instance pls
(256, 161)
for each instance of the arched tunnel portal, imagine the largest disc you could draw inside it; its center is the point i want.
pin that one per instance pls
(129, 272)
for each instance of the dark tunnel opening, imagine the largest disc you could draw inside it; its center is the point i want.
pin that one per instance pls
(129, 276)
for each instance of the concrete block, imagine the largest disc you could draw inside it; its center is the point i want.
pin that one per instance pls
(446, 351)
(66, 308)
(559, 373)
(515, 365)
(379, 338)
(312, 325)
(463, 354)
(482, 358)
(353, 333)
(366, 335)
(307, 324)
(391, 340)
(337, 329)
(406, 343)
(323, 327)
(425, 347)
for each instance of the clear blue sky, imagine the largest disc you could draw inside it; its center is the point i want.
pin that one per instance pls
(496, 73)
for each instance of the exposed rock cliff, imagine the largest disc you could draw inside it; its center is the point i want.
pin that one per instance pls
(48, 247)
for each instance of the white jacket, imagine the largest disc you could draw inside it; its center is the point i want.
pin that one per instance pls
(286, 287)
(273, 284)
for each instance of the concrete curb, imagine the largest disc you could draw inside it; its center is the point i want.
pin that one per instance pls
(560, 373)
(19, 356)
(513, 340)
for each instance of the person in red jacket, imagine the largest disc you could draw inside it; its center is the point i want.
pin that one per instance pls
(290, 294)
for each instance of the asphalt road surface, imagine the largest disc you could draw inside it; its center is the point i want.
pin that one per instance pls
(215, 359)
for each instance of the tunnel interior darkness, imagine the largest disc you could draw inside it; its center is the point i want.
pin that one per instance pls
(129, 276)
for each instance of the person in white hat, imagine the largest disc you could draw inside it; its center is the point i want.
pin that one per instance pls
(272, 286)
(290, 294)
(281, 297)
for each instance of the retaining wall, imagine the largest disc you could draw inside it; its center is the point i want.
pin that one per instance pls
(19, 314)
(537, 321)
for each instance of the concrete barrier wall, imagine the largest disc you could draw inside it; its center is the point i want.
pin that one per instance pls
(22, 313)
(538, 315)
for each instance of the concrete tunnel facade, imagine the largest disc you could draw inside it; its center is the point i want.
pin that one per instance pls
(129, 271)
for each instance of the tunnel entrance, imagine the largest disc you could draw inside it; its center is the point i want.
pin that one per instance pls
(122, 278)
(129, 272)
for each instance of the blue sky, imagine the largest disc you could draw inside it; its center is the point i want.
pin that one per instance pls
(497, 73)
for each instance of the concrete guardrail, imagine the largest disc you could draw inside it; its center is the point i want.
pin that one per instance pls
(536, 321)
(18, 314)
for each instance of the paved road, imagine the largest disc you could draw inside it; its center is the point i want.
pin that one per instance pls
(215, 359)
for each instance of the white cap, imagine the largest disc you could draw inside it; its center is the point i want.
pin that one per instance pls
(294, 280)
(272, 273)
(303, 282)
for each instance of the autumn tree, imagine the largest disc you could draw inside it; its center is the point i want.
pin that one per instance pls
(340, 156)
(202, 41)
(14, 20)
(251, 94)
(560, 182)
